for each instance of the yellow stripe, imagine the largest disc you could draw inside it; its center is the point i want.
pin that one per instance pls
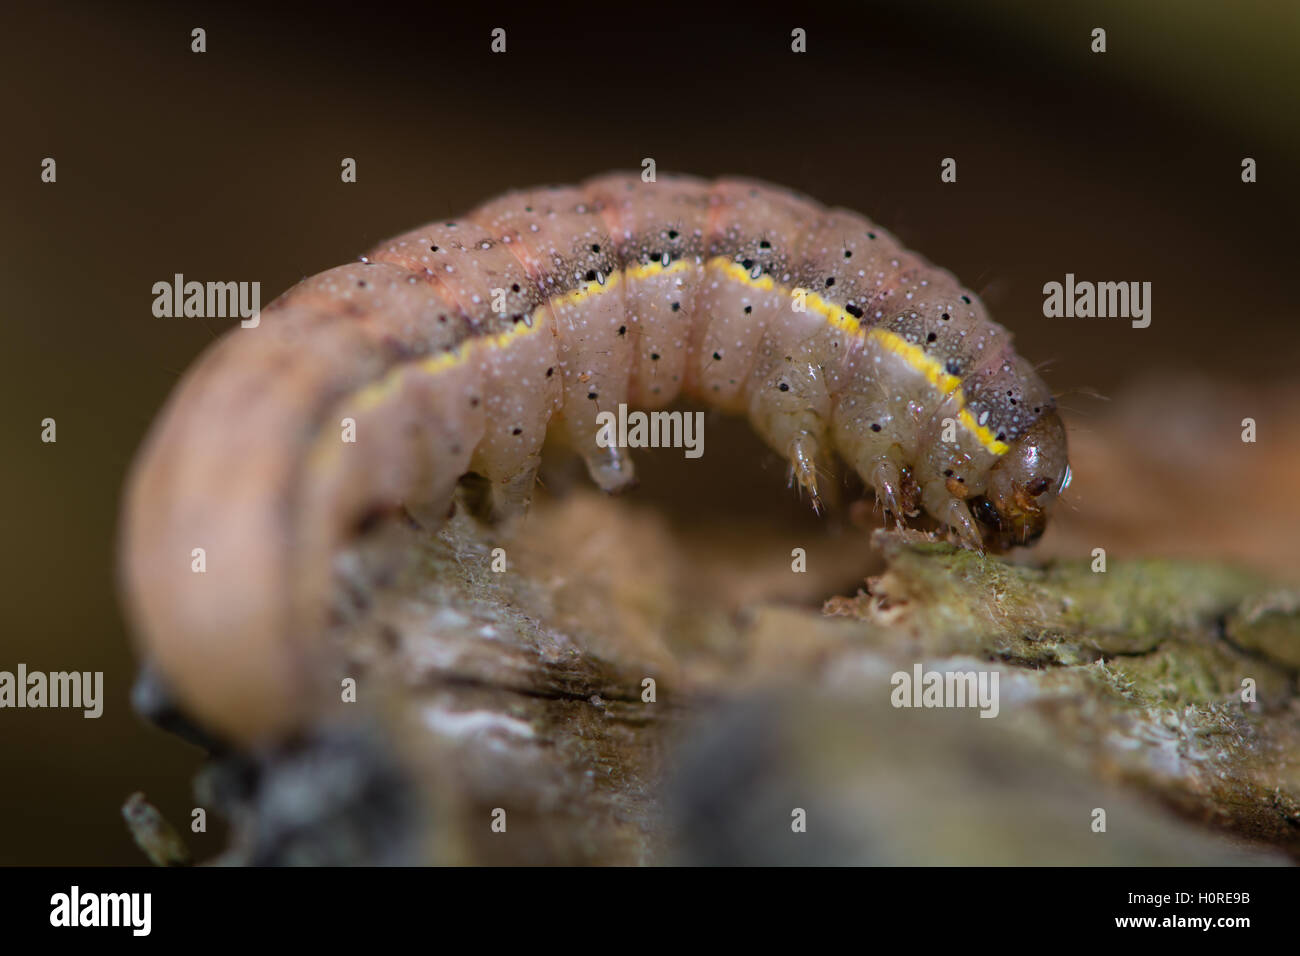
(442, 361)
(734, 270)
(986, 437)
(587, 290)
(915, 356)
(835, 315)
(656, 268)
(943, 382)
(375, 393)
(832, 313)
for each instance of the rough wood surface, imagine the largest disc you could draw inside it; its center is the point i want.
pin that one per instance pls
(523, 691)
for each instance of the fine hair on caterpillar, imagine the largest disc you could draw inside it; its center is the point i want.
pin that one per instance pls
(374, 388)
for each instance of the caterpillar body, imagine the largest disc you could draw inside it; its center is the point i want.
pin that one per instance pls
(453, 348)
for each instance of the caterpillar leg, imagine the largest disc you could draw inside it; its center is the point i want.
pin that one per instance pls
(892, 482)
(887, 482)
(803, 454)
(610, 468)
(496, 499)
(511, 496)
(789, 407)
(955, 513)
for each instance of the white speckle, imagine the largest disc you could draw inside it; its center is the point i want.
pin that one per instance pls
(447, 618)
(467, 723)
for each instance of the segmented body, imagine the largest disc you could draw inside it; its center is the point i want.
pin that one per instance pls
(456, 346)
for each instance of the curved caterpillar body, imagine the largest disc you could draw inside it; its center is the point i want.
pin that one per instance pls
(454, 348)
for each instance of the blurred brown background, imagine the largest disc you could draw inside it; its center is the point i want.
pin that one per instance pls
(225, 166)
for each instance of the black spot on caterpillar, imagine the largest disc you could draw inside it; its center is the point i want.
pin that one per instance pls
(814, 323)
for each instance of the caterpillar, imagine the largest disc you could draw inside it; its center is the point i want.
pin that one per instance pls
(453, 348)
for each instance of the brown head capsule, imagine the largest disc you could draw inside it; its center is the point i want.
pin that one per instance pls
(1023, 486)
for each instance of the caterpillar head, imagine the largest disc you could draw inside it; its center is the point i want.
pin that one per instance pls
(1023, 485)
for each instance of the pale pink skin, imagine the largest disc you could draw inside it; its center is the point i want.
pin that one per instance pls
(246, 461)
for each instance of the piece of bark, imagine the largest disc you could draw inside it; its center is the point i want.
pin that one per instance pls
(520, 696)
